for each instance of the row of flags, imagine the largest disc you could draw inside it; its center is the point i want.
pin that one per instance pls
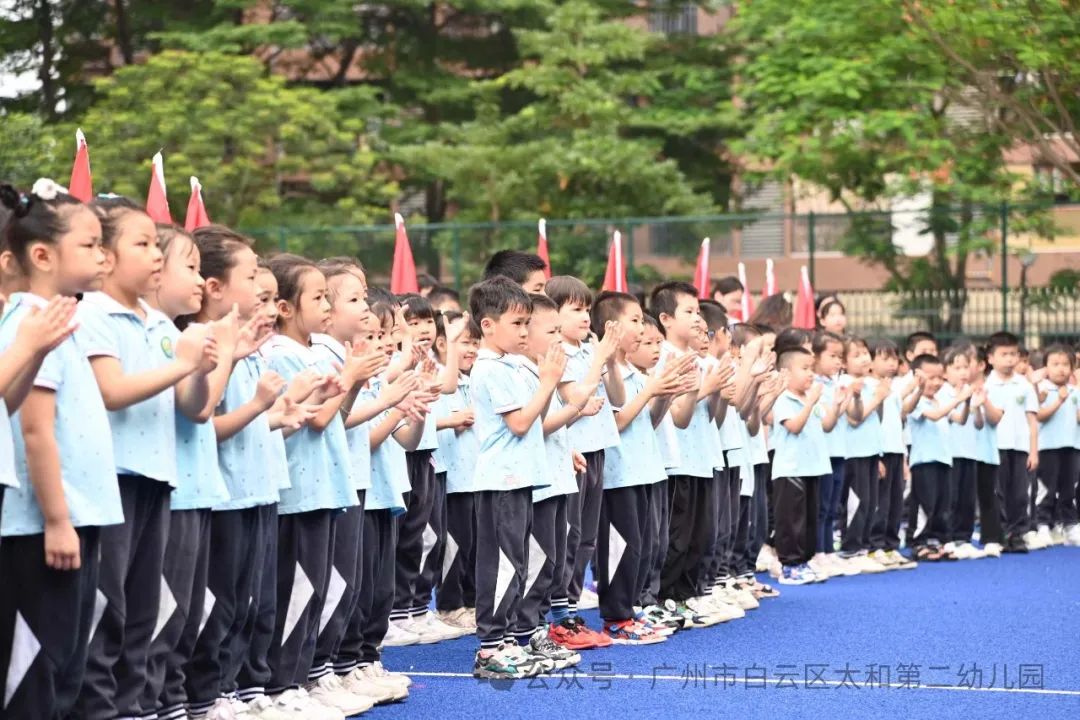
(403, 277)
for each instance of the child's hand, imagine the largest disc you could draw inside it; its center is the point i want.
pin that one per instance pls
(43, 329)
(1037, 376)
(362, 362)
(196, 349)
(920, 380)
(964, 394)
(456, 328)
(613, 335)
(252, 335)
(62, 546)
(578, 459)
(978, 397)
(226, 331)
(414, 409)
(669, 382)
(592, 406)
(292, 415)
(881, 470)
(462, 418)
(329, 386)
(841, 396)
(728, 392)
(1063, 393)
(302, 385)
(882, 390)
(856, 387)
(393, 393)
(1033, 462)
(763, 364)
(553, 365)
(268, 389)
(814, 393)
(717, 378)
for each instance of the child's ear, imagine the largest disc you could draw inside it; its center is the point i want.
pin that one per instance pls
(285, 309)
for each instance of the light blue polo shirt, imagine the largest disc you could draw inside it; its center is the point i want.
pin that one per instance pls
(199, 482)
(759, 446)
(8, 477)
(732, 437)
(892, 422)
(963, 440)
(459, 449)
(668, 442)
(144, 434)
(1060, 430)
(863, 440)
(333, 352)
(87, 467)
(986, 450)
(598, 431)
(320, 469)
(700, 450)
(803, 454)
(746, 463)
(834, 438)
(929, 438)
(252, 461)
(506, 462)
(557, 449)
(636, 459)
(1016, 397)
(389, 473)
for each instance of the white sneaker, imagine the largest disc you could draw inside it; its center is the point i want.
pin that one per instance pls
(298, 704)
(460, 618)
(377, 670)
(821, 566)
(967, 551)
(699, 606)
(398, 634)
(992, 550)
(261, 707)
(743, 595)
(1057, 535)
(723, 609)
(845, 566)
(882, 558)
(766, 559)
(588, 600)
(222, 709)
(431, 629)
(239, 708)
(1045, 538)
(358, 683)
(869, 565)
(1072, 536)
(329, 691)
(1031, 539)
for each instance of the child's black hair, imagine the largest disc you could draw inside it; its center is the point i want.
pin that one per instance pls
(822, 340)
(785, 356)
(1002, 339)
(851, 342)
(380, 295)
(915, 338)
(111, 210)
(651, 320)
(426, 280)
(951, 353)
(416, 307)
(883, 347)
(384, 312)
(441, 293)
(566, 290)
(541, 301)
(513, 264)
(288, 270)
(1060, 349)
(218, 248)
(742, 333)
(609, 306)
(714, 316)
(495, 296)
(923, 360)
(32, 219)
(774, 311)
(790, 337)
(665, 296)
(727, 285)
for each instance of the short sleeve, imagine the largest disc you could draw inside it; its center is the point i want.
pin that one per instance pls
(577, 366)
(1031, 399)
(785, 408)
(920, 408)
(286, 364)
(51, 373)
(505, 390)
(97, 335)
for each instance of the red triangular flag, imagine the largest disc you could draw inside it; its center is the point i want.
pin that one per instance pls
(615, 276)
(747, 308)
(157, 205)
(403, 274)
(770, 280)
(803, 315)
(196, 216)
(701, 272)
(542, 248)
(80, 185)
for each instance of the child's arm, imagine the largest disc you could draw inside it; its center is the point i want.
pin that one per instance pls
(551, 369)
(360, 365)
(657, 386)
(753, 423)
(833, 413)
(266, 392)
(43, 465)
(1047, 411)
(391, 394)
(912, 396)
(963, 410)
(795, 425)
(936, 413)
(1033, 451)
(993, 414)
(40, 332)
(120, 390)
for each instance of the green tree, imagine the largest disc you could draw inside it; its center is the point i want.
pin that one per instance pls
(27, 149)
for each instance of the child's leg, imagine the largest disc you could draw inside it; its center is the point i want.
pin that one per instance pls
(986, 483)
(560, 556)
(714, 560)
(964, 519)
(759, 524)
(621, 527)
(873, 493)
(411, 527)
(829, 493)
(459, 543)
(431, 561)
(377, 584)
(859, 506)
(541, 573)
(946, 497)
(677, 581)
(1049, 478)
(894, 473)
(503, 520)
(660, 512)
(249, 674)
(580, 549)
(742, 564)
(184, 569)
(790, 511)
(648, 549)
(705, 522)
(924, 491)
(725, 569)
(46, 617)
(341, 590)
(1069, 493)
(1015, 491)
(810, 532)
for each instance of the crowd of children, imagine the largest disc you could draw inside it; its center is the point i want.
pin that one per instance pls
(229, 482)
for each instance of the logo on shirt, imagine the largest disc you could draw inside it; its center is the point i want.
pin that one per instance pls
(818, 412)
(167, 347)
(1020, 399)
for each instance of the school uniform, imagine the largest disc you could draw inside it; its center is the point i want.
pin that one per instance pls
(590, 436)
(659, 527)
(546, 581)
(959, 517)
(239, 606)
(885, 529)
(508, 468)
(1016, 397)
(800, 460)
(832, 485)
(47, 616)
(930, 463)
(383, 504)
(320, 473)
(862, 445)
(729, 485)
(200, 486)
(692, 501)
(741, 563)
(1056, 497)
(630, 468)
(457, 588)
(132, 553)
(759, 514)
(987, 462)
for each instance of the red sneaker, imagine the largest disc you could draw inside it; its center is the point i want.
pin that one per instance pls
(599, 639)
(568, 634)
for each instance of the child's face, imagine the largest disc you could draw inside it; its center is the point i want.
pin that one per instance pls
(923, 347)
(447, 304)
(266, 295)
(633, 326)
(685, 325)
(647, 354)
(935, 378)
(181, 291)
(885, 365)
(544, 331)
(831, 359)
(80, 256)
(469, 346)
(312, 311)
(574, 319)
(720, 342)
(834, 320)
(731, 301)
(857, 360)
(135, 258)
(1023, 365)
(801, 373)
(422, 331)
(382, 334)
(1058, 368)
(957, 373)
(239, 287)
(1005, 358)
(349, 311)
(508, 333)
(535, 282)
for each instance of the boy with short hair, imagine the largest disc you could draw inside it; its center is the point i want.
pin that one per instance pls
(512, 461)
(525, 269)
